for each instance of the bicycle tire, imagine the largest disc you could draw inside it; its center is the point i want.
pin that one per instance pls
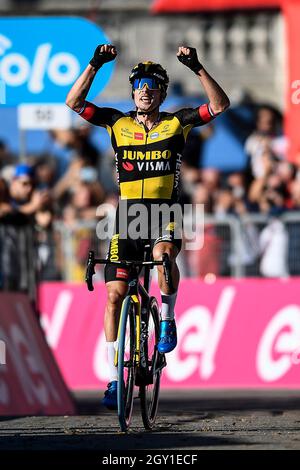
(126, 363)
(149, 394)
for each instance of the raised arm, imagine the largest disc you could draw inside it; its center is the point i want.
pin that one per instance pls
(218, 100)
(78, 93)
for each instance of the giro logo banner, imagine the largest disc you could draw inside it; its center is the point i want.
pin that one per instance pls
(40, 58)
(235, 334)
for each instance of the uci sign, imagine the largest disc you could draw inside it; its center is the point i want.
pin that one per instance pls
(40, 58)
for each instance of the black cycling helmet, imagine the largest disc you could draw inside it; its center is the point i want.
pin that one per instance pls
(151, 69)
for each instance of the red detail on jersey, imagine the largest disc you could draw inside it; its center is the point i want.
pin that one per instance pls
(204, 113)
(127, 166)
(138, 136)
(89, 111)
(122, 273)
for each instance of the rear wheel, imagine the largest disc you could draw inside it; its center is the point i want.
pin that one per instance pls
(126, 363)
(149, 392)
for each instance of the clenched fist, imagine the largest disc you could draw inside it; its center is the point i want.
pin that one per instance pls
(188, 56)
(103, 53)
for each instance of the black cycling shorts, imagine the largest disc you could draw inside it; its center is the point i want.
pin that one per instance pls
(126, 248)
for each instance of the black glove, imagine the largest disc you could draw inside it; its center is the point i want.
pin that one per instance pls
(101, 58)
(191, 60)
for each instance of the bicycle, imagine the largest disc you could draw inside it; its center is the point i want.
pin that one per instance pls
(137, 358)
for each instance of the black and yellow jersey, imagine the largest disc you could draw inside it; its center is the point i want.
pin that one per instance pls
(148, 162)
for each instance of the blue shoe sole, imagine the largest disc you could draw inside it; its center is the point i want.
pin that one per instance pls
(110, 396)
(110, 406)
(165, 349)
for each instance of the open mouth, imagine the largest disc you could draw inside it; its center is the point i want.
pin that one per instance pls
(146, 99)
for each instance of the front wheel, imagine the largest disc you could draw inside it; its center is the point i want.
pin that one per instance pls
(149, 392)
(126, 363)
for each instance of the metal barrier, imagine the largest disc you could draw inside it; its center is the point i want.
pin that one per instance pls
(232, 247)
(292, 223)
(18, 256)
(236, 241)
(75, 243)
(258, 223)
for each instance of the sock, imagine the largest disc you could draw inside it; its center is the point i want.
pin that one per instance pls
(113, 370)
(167, 306)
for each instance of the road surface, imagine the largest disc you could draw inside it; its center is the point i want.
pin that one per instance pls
(187, 421)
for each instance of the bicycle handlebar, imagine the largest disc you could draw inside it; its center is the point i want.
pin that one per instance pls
(92, 261)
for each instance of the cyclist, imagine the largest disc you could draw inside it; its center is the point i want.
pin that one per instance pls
(148, 145)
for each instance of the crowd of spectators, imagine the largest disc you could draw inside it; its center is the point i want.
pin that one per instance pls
(269, 185)
(46, 190)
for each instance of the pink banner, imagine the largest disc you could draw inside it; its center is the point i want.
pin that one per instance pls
(30, 382)
(234, 334)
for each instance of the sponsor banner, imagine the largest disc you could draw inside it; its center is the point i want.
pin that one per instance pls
(159, 6)
(40, 58)
(30, 382)
(232, 333)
